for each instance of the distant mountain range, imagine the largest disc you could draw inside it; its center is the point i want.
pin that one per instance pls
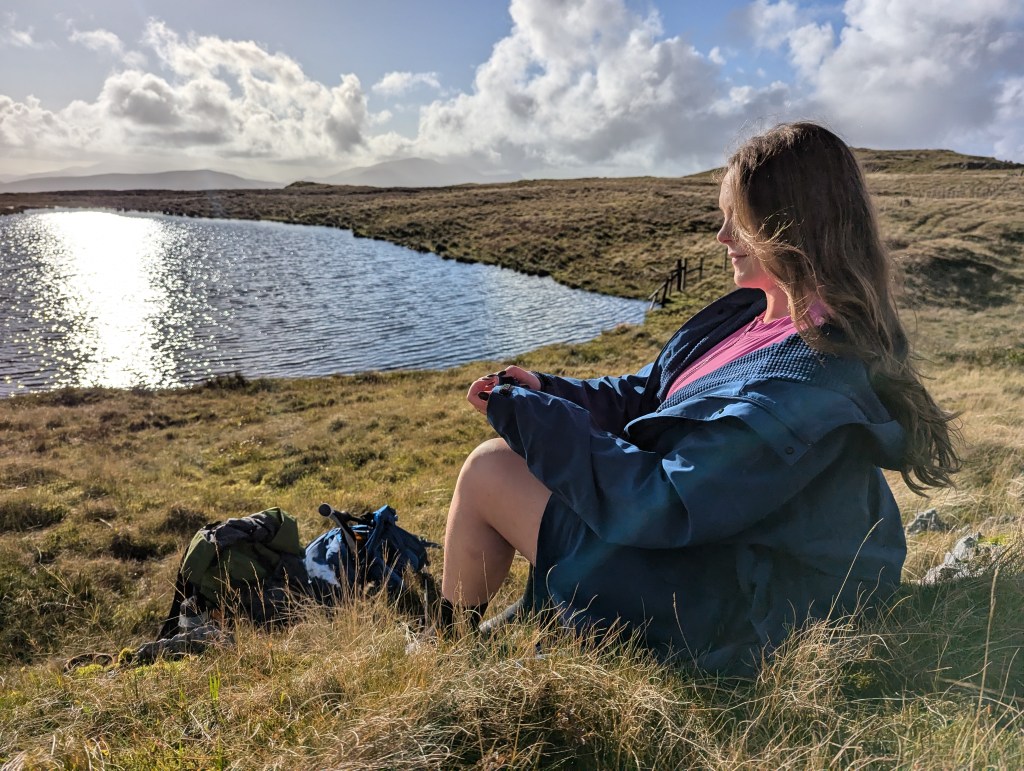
(408, 172)
(412, 172)
(415, 172)
(199, 179)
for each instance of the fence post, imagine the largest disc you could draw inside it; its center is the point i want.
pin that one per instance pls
(679, 275)
(683, 273)
(700, 269)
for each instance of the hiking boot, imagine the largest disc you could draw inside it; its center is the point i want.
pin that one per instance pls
(194, 641)
(190, 617)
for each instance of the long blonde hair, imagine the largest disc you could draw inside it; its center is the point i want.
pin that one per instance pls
(802, 207)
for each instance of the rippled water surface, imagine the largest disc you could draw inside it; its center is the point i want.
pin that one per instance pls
(113, 299)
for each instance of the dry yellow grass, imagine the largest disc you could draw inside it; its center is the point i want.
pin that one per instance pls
(99, 491)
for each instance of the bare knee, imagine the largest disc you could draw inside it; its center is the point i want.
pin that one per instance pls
(491, 470)
(496, 487)
(492, 455)
(493, 448)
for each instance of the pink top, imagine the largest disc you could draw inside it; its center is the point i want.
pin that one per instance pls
(753, 336)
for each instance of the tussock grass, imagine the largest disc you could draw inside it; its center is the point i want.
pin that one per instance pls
(338, 691)
(101, 489)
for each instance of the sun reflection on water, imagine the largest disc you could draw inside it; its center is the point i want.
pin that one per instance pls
(100, 269)
(93, 298)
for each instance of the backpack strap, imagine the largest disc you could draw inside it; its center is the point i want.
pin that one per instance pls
(170, 625)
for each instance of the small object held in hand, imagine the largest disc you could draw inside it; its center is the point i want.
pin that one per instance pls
(483, 396)
(504, 379)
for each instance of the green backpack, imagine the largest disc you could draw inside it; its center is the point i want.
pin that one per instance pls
(253, 565)
(213, 563)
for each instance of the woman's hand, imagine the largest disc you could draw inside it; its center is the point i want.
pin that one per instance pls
(523, 377)
(481, 388)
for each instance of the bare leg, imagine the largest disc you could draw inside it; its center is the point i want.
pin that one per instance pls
(495, 512)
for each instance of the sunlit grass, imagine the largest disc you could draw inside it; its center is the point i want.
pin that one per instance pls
(101, 489)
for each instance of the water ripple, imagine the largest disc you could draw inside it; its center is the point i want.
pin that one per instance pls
(110, 299)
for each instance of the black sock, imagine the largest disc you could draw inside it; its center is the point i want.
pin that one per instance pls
(450, 615)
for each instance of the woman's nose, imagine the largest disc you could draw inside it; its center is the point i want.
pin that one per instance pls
(725, 233)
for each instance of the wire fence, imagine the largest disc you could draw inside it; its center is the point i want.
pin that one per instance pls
(682, 274)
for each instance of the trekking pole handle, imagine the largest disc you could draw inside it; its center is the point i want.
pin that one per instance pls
(327, 510)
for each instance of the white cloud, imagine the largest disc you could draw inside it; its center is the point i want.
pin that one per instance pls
(231, 99)
(810, 45)
(576, 87)
(396, 83)
(27, 125)
(769, 24)
(98, 40)
(1009, 137)
(908, 73)
(775, 26)
(587, 83)
(13, 37)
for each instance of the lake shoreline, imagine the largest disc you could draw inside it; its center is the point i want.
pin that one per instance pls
(586, 234)
(103, 298)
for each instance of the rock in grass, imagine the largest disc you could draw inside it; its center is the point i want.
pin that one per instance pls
(927, 521)
(971, 556)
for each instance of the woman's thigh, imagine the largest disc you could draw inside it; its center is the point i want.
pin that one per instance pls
(496, 485)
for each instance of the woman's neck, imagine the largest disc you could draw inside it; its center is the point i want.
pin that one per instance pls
(778, 305)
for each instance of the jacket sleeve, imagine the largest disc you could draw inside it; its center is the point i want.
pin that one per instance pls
(611, 401)
(715, 479)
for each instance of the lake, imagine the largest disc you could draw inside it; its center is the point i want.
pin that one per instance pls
(102, 298)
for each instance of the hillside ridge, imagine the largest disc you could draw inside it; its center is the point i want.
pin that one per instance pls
(957, 230)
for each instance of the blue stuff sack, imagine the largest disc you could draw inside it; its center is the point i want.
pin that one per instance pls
(367, 553)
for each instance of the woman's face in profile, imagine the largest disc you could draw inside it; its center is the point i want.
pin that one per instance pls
(747, 269)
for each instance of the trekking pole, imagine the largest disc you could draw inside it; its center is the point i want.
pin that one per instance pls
(353, 540)
(331, 513)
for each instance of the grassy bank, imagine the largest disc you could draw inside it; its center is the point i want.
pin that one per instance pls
(618, 236)
(100, 490)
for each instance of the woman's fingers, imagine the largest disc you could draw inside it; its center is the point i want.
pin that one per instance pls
(523, 377)
(481, 388)
(478, 392)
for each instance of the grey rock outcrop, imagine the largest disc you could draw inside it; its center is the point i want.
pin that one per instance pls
(971, 556)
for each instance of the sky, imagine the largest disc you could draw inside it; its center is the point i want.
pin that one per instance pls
(534, 88)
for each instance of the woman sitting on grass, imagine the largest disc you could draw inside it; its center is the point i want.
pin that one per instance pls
(731, 490)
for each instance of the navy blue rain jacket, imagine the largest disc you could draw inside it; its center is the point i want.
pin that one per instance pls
(716, 521)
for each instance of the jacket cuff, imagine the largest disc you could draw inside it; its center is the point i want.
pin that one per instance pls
(501, 414)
